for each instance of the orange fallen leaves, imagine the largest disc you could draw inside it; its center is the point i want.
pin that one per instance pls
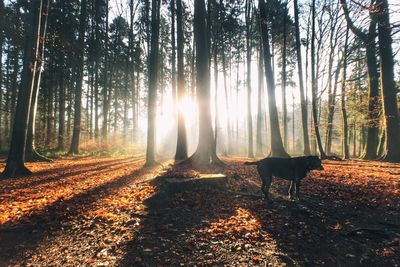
(243, 224)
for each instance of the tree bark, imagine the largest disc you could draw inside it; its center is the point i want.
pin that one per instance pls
(374, 104)
(173, 56)
(259, 151)
(74, 148)
(303, 103)
(181, 147)
(1, 65)
(15, 162)
(249, 6)
(345, 138)
(30, 152)
(204, 154)
(314, 87)
(153, 78)
(283, 84)
(106, 100)
(277, 148)
(389, 92)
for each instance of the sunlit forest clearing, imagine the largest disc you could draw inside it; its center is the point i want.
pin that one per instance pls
(199, 133)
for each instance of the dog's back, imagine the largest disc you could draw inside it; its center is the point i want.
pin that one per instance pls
(287, 168)
(293, 169)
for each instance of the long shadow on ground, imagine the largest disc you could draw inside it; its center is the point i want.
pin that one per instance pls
(53, 219)
(205, 225)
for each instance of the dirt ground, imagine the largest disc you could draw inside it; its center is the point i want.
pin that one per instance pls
(114, 212)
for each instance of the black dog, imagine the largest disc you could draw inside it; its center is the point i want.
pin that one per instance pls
(292, 169)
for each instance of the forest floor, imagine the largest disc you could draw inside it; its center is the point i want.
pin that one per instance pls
(113, 211)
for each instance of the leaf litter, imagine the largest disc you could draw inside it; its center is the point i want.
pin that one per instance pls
(111, 211)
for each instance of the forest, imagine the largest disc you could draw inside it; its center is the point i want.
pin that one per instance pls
(128, 129)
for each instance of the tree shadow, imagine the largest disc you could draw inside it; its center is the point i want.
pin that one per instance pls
(53, 219)
(63, 173)
(321, 229)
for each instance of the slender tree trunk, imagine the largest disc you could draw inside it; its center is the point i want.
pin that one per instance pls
(259, 151)
(153, 78)
(331, 111)
(181, 147)
(61, 112)
(277, 148)
(106, 101)
(249, 6)
(96, 69)
(173, 55)
(228, 121)
(303, 103)
(132, 69)
(1, 67)
(30, 152)
(74, 148)
(213, 26)
(345, 138)
(314, 86)
(283, 84)
(389, 91)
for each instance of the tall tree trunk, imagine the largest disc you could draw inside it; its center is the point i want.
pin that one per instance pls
(314, 86)
(96, 68)
(153, 78)
(389, 92)
(277, 148)
(374, 104)
(74, 148)
(249, 8)
(181, 146)
(15, 162)
(213, 26)
(224, 72)
(345, 138)
(259, 151)
(173, 55)
(30, 152)
(1, 66)
(106, 100)
(61, 112)
(331, 110)
(303, 103)
(132, 70)
(204, 154)
(283, 84)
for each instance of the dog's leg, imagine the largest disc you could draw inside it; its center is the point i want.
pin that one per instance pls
(292, 189)
(265, 186)
(297, 189)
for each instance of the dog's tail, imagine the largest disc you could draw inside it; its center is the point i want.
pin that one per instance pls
(251, 163)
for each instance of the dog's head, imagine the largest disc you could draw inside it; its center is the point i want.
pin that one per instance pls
(314, 163)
